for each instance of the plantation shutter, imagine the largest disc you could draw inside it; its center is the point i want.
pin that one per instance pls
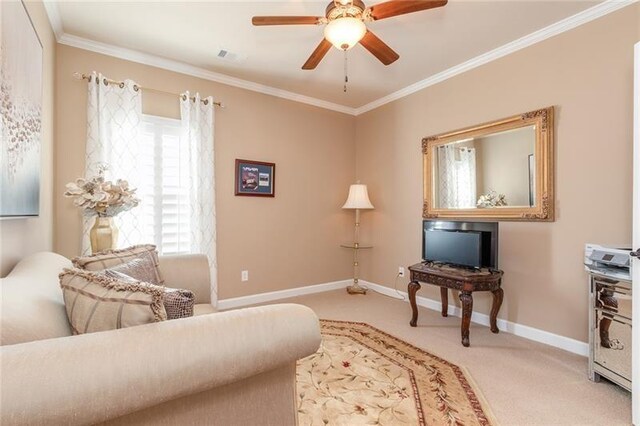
(164, 186)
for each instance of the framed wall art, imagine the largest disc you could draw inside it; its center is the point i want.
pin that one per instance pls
(20, 112)
(255, 178)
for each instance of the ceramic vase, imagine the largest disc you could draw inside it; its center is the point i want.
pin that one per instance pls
(103, 234)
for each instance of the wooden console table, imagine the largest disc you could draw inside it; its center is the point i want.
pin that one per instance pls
(466, 281)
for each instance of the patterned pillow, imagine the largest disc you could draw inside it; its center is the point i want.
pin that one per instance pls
(111, 258)
(140, 269)
(96, 302)
(177, 302)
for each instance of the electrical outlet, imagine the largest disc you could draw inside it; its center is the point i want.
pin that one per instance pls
(244, 276)
(401, 271)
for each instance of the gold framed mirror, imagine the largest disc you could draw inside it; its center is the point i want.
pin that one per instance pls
(502, 170)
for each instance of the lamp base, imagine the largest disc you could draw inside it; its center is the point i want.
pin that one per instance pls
(356, 289)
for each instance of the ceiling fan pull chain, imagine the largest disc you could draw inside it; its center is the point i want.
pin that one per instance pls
(346, 76)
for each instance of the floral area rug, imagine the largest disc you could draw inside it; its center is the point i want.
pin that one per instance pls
(363, 376)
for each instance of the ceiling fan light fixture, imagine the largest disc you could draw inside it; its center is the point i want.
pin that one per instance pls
(344, 33)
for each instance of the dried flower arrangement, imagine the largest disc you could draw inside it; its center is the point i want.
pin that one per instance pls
(99, 197)
(491, 199)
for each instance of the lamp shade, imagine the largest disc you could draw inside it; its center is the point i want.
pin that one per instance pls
(358, 198)
(344, 33)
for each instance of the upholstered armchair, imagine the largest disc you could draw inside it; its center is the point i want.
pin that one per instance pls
(227, 368)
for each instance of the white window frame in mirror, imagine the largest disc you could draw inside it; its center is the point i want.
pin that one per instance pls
(544, 207)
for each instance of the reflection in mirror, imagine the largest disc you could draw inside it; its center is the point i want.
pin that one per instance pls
(499, 170)
(489, 171)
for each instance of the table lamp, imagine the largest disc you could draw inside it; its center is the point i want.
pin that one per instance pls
(358, 199)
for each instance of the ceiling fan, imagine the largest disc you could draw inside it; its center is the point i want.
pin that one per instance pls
(345, 26)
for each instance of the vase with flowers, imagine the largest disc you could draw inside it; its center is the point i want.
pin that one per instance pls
(491, 199)
(103, 199)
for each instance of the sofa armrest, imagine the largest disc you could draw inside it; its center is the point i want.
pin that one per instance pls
(188, 271)
(100, 376)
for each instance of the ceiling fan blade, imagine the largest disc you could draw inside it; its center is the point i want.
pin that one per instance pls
(285, 20)
(378, 48)
(401, 7)
(317, 55)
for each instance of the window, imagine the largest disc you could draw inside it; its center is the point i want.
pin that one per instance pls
(164, 186)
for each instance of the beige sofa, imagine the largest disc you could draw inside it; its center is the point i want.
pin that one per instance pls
(227, 368)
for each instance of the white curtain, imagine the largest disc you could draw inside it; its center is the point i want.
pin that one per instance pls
(197, 134)
(114, 114)
(456, 177)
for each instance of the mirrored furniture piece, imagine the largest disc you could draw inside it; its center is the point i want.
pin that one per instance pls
(502, 170)
(464, 280)
(610, 314)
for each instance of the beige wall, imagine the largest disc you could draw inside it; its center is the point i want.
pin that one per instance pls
(587, 74)
(288, 241)
(21, 237)
(502, 163)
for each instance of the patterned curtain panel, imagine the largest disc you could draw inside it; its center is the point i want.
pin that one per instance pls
(114, 114)
(457, 177)
(467, 178)
(197, 136)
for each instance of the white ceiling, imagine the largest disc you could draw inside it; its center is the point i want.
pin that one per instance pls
(428, 42)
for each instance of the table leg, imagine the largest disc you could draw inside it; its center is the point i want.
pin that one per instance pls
(444, 296)
(498, 295)
(413, 288)
(467, 307)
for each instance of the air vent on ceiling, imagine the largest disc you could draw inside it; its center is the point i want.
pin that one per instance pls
(227, 55)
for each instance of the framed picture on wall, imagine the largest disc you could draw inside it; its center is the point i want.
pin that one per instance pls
(20, 112)
(255, 178)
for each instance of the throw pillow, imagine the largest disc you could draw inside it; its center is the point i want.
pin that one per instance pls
(140, 269)
(177, 302)
(110, 258)
(96, 302)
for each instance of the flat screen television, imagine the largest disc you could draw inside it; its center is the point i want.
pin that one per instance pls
(470, 244)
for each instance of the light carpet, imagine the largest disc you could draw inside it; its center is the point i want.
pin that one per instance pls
(362, 375)
(525, 382)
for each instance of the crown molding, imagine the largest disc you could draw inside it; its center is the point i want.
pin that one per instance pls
(53, 13)
(588, 15)
(184, 68)
(552, 30)
(51, 7)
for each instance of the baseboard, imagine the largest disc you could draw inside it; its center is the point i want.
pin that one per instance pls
(531, 333)
(535, 334)
(237, 302)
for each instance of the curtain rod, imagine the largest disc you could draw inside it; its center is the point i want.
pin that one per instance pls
(79, 76)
